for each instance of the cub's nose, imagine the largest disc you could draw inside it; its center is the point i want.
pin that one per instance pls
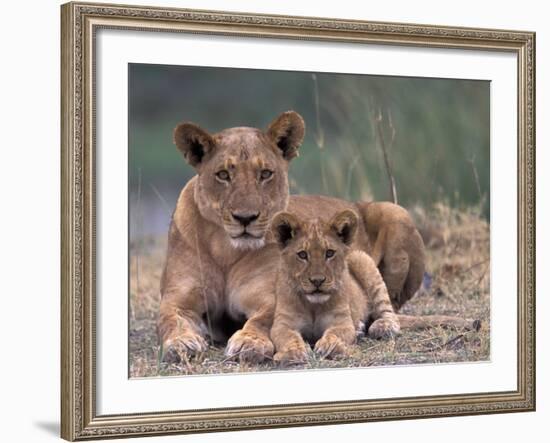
(245, 219)
(317, 280)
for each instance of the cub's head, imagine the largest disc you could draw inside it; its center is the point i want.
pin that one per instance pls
(314, 252)
(242, 174)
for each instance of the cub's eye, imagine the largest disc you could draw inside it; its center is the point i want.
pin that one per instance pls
(302, 255)
(330, 253)
(223, 175)
(265, 174)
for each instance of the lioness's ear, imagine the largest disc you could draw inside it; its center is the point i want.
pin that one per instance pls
(344, 224)
(287, 132)
(193, 142)
(284, 226)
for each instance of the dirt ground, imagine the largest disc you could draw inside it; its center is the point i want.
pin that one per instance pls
(457, 283)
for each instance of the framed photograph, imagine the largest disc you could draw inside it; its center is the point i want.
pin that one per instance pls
(277, 221)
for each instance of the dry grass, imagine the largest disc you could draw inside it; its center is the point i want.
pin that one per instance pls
(458, 261)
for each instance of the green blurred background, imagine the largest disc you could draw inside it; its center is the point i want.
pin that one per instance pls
(435, 131)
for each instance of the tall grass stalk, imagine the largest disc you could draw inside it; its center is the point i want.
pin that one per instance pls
(349, 175)
(138, 242)
(319, 135)
(384, 147)
(165, 204)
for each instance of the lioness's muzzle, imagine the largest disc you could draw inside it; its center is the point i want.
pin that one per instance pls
(245, 218)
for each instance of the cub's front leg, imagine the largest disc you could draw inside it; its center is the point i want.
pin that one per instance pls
(375, 294)
(386, 322)
(338, 336)
(290, 346)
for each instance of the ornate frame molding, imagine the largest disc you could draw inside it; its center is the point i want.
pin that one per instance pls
(80, 21)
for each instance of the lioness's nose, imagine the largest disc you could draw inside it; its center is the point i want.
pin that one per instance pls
(245, 219)
(317, 280)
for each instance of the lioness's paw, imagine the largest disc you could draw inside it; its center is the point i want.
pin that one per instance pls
(189, 344)
(330, 347)
(249, 347)
(384, 328)
(291, 356)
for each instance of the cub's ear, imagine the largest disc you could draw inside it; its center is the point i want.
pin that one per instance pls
(284, 226)
(193, 142)
(344, 225)
(287, 132)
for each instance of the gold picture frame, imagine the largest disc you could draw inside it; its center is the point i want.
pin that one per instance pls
(79, 22)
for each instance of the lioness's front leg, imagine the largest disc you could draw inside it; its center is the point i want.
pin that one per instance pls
(251, 294)
(186, 303)
(181, 327)
(252, 343)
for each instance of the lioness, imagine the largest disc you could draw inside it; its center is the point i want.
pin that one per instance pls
(325, 291)
(217, 237)
(217, 240)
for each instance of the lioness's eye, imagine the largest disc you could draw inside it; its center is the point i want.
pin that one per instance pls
(265, 174)
(302, 255)
(330, 253)
(223, 175)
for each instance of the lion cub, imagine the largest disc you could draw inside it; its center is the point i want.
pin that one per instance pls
(326, 291)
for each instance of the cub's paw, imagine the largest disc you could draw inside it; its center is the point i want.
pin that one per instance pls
(187, 344)
(384, 328)
(330, 346)
(293, 355)
(249, 347)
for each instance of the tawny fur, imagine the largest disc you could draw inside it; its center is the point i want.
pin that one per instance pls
(386, 232)
(211, 268)
(212, 263)
(329, 314)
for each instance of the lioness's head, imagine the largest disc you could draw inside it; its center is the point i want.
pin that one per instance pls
(242, 174)
(314, 252)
